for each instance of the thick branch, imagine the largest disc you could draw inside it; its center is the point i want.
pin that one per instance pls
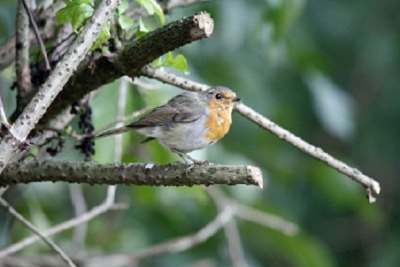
(134, 56)
(55, 82)
(129, 174)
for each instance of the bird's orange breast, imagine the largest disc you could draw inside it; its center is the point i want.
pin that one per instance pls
(218, 124)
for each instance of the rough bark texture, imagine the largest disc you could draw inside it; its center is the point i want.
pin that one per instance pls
(131, 59)
(129, 174)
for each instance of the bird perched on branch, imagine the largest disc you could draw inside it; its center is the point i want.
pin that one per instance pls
(187, 122)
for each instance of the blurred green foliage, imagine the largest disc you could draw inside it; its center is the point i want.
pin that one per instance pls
(326, 70)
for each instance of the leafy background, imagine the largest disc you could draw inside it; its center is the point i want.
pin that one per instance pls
(326, 70)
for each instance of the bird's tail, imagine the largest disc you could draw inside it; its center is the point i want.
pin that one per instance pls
(115, 131)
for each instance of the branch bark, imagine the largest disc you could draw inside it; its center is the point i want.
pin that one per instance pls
(129, 174)
(22, 68)
(56, 81)
(372, 187)
(131, 59)
(47, 27)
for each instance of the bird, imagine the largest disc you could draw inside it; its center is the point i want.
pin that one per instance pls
(187, 122)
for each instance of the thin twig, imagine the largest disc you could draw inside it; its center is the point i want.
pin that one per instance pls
(250, 214)
(3, 115)
(123, 119)
(182, 3)
(3, 190)
(80, 207)
(93, 213)
(236, 252)
(266, 219)
(172, 246)
(189, 241)
(39, 233)
(22, 68)
(372, 186)
(122, 92)
(79, 137)
(37, 34)
(141, 84)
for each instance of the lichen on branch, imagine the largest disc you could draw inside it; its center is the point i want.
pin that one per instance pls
(129, 174)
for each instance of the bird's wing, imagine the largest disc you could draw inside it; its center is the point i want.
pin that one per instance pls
(183, 108)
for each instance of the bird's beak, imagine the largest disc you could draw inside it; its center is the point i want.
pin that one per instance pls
(236, 99)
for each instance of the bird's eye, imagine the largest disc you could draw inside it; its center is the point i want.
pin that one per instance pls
(218, 96)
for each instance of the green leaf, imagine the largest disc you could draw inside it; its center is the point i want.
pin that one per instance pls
(152, 7)
(159, 11)
(76, 11)
(103, 37)
(142, 29)
(149, 8)
(179, 62)
(123, 6)
(125, 22)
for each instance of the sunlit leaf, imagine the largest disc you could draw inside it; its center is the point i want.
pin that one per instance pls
(75, 11)
(179, 62)
(152, 7)
(142, 29)
(123, 6)
(125, 22)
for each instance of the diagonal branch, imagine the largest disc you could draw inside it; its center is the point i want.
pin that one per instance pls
(171, 246)
(45, 13)
(19, 131)
(129, 174)
(34, 229)
(131, 59)
(372, 186)
(107, 205)
(3, 116)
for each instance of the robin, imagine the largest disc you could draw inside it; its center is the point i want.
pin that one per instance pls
(187, 122)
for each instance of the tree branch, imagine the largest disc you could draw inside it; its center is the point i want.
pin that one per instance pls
(171, 246)
(37, 34)
(107, 205)
(372, 186)
(39, 233)
(174, 245)
(3, 116)
(45, 14)
(131, 59)
(22, 68)
(56, 81)
(129, 174)
(231, 230)
(228, 208)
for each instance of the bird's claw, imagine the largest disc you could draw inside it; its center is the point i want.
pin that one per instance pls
(196, 162)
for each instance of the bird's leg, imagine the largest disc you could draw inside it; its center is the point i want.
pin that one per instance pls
(193, 162)
(188, 158)
(197, 162)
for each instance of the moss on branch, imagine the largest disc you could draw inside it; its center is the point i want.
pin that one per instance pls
(131, 59)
